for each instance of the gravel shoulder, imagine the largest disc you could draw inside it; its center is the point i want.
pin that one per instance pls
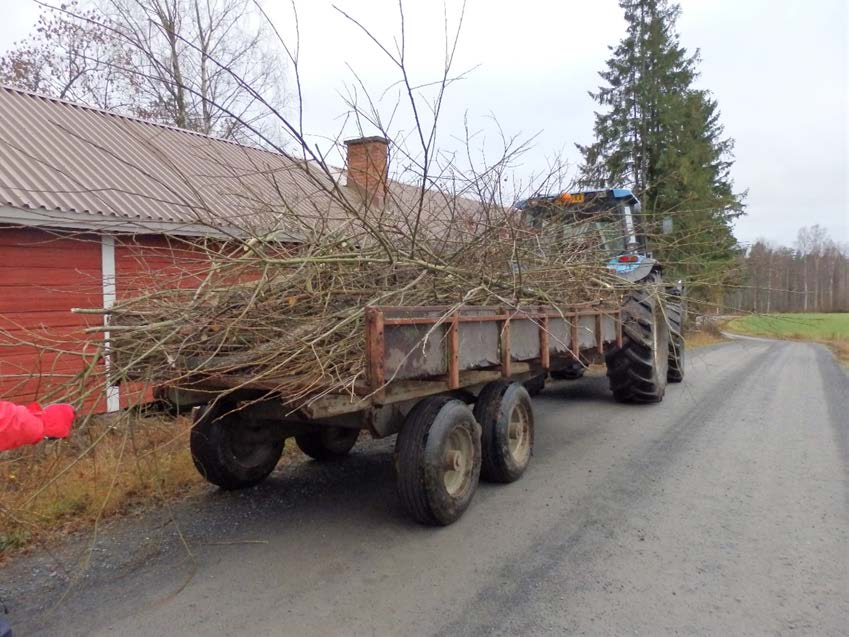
(722, 510)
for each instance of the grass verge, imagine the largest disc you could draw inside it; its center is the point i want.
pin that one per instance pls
(828, 329)
(110, 466)
(709, 333)
(702, 338)
(103, 470)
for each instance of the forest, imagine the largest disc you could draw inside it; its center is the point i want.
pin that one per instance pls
(811, 276)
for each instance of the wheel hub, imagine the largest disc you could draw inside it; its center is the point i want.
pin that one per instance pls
(453, 461)
(458, 460)
(244, 448)
(519, 434)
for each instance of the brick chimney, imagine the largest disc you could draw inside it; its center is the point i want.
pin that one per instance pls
(368, 165)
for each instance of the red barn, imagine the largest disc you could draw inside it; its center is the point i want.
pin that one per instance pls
(94, 205)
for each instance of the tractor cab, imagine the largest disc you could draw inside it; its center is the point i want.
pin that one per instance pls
(601, 219)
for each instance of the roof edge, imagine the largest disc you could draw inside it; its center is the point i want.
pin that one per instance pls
(62, 220)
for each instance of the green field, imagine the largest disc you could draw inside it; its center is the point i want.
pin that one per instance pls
(814, 327)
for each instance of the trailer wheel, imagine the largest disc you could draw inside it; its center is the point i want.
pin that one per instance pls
(535, 385)
(228, 451)
(677, 348)
(573, 371)
(438, 460)
(638, 370)
(327, 443)
(504, 412)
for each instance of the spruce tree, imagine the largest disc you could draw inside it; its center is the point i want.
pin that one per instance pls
(662, 137)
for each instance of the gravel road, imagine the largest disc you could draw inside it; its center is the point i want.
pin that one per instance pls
(722, 510)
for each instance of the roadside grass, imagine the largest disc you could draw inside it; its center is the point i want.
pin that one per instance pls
(103, 470)
(709, 333)
(109, 467)
(702, 338)
(828, 329)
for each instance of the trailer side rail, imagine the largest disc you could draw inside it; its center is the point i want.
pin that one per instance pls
(441, 343)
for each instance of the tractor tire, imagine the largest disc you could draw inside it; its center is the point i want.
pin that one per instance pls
(506, 417)
(225, 452)
(327, 443)
(438, 460)
(638, 370)
(677, 348)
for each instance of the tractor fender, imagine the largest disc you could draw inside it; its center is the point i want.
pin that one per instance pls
(643, 270)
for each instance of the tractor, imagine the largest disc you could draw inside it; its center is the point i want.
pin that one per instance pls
(652, 351)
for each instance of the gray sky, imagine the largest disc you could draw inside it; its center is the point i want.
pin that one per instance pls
(779, 70)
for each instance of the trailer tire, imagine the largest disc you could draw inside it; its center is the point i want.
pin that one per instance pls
(438, 460)
(677, 348)
(535, 385)
(222, 455)
(327, 443)
(574, 371)
(506, 417)
(638, 370)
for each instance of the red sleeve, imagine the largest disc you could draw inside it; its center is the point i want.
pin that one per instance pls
(18, 426)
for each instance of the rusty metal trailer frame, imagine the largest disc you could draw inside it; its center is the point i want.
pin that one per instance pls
(378, 319)
(417, 351)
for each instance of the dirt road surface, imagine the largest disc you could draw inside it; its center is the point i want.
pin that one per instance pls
(723, 510)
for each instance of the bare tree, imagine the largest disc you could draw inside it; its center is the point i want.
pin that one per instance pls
(813, 277)
(71, 58)
(202, 65)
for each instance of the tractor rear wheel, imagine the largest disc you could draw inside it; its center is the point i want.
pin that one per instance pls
(638, 370)
(675, 312)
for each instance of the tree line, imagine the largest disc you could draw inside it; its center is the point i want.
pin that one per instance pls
(812, 276)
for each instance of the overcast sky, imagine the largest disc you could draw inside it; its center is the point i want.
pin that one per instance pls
(778, 68)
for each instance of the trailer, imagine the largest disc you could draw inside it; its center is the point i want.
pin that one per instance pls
(450, 382)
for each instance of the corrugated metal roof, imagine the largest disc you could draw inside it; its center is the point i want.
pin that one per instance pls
(64, 160)
(56, 156)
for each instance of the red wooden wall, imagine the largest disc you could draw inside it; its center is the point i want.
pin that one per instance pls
(42, 276)
(142, 262)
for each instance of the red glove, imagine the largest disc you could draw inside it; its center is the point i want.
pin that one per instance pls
(28, 425)
(57, 419)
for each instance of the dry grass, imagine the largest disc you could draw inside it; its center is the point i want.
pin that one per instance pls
(100, 472)
(703, 338)
(709, 333)
(841, 350)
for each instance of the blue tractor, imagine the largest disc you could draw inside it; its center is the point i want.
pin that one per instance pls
(652, 352)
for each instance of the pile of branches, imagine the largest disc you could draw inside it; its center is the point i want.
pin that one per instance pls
(290, 318)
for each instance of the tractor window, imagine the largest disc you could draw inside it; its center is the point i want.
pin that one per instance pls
(612, 237)
(605, 236)
(608, 232)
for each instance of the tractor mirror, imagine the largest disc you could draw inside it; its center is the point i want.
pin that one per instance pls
(667, 226)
